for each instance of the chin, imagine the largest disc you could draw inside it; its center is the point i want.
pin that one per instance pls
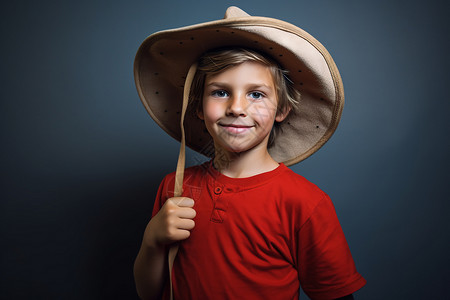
(236, 149)
(238, 146)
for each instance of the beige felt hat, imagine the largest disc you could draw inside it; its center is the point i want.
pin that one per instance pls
(164, 58)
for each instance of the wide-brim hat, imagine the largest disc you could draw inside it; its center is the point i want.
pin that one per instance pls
(164, 58)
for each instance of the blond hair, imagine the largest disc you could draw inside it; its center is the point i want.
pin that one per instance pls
(219, 60)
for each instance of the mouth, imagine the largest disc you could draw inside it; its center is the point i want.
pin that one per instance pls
(236, 128)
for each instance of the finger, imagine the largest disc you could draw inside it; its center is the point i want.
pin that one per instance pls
(186, 224)
(183, 201)
(186, 213)
(182, 235)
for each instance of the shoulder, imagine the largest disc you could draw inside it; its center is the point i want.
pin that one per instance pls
(294, 178)
(293, 183)
(192, 177)
(298, 193)
(191, 171)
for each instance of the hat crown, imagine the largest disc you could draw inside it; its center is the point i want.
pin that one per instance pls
(235, 12)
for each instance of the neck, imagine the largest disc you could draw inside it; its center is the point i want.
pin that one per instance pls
(243, 164)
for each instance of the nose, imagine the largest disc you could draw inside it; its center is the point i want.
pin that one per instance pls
(237, 106)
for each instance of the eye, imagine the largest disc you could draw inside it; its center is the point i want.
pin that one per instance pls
(256, 95)
(220, 93)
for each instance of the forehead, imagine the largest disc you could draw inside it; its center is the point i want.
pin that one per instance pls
(248, 72)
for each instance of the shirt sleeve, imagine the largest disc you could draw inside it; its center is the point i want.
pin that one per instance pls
(325, 265)
(165, 191)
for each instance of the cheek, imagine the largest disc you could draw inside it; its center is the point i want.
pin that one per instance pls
(211, 111)
(264, 112)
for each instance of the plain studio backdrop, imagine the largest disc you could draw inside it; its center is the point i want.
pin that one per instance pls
(81, 159)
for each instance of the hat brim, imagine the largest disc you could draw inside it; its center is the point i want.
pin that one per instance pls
(164, 58)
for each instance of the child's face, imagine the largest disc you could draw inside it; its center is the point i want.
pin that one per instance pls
(239, 107)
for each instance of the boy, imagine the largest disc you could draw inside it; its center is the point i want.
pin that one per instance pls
(247, 226)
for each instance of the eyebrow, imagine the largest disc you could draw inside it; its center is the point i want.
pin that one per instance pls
(251, 85)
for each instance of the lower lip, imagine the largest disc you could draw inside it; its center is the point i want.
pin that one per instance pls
(236, 130)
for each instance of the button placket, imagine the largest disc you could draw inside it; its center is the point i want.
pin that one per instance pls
(220, 204)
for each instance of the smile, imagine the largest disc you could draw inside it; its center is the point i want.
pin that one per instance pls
(235, 129)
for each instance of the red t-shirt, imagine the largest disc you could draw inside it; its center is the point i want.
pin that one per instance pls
(260, 238)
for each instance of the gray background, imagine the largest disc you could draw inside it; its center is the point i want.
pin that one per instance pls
(81, 159)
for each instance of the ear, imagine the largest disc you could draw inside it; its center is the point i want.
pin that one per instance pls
(200, 114)
(281, 115)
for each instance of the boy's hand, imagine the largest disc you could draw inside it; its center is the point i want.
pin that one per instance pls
(172, 223)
